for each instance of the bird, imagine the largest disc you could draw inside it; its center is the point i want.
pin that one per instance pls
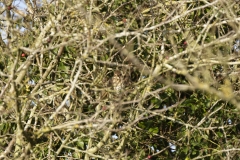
(118, 82)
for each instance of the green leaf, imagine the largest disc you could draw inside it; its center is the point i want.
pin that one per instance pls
(154, 130)
(141, 125)
(80, 144)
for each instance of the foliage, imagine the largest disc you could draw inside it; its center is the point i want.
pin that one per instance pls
(178, 61)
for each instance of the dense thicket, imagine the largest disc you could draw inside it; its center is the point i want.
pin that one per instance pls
(119, 79)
